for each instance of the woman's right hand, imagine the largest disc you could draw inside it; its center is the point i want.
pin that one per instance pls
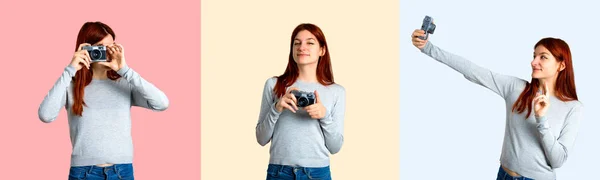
(419, 43)
(81, 58)
(287, 101)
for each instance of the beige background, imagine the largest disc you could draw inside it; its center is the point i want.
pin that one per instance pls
(245, 42)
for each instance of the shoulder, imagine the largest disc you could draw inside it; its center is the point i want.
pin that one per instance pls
(337, 89)
(270, 82)
(575, 105)
(516, 86)
(270, 85)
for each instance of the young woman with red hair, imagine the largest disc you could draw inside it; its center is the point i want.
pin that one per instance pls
(302, 137)
(543, 114)
(98, 97)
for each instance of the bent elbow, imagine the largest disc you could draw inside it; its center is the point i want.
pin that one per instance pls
(334, 151)
(335, 148)
(162, 106)
(45, 116)
(558, 163)
(262, 142)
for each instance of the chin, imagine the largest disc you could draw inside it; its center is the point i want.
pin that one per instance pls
(305, 62)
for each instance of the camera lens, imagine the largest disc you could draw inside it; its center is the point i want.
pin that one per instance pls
(95, 54)
(302, 102)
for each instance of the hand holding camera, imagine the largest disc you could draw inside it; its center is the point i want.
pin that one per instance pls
(116, 57)
(421, 36)
(112, 56)
(316, 110)
(287, 101)
(81, 58)
(295, 98)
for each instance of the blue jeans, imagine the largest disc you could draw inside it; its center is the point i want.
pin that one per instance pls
(502, 175)
(114, 172)
(280, 172)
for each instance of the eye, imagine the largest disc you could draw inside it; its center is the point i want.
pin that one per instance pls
(311, 43)
(296, 43)
(544, 57)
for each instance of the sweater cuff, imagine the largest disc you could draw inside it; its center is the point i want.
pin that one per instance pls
(427, 47)
(274, 111)
(71, 70)
(123, 70)
(542, 123)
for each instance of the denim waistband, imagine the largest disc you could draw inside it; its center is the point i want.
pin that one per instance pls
(291, 168)
(503, 175)
(113, 167)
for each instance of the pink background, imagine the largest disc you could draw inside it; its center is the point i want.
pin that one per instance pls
(162, 42)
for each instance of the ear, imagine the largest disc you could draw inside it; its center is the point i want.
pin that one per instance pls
(562, 66)
(322, 51)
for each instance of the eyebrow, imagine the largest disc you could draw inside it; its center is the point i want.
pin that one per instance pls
(306, 39)
(542, 53)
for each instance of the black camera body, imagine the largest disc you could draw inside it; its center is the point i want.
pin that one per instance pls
(428, 27)
(304, 98)
(97, 53)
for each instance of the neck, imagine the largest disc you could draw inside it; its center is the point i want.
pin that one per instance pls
(550, 83)
(99, 72)
(307, 72)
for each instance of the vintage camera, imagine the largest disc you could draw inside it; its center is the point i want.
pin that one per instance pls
(304, 98)
(97, 53)
(428, 27)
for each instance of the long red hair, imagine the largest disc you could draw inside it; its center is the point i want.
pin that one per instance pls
(565, 82)
(90, 32)
(324, 71)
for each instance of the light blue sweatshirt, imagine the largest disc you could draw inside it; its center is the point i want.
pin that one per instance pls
(102, 135)
(533, 147)
(297, 139)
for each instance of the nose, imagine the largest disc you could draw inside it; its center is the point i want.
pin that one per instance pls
(535, 61)
(302, 47)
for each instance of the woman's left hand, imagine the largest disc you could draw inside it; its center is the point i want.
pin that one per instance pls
(541, 102)
(116, 54)
(316, 110)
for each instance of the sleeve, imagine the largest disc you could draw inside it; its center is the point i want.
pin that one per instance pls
(333, 124)
(268, 115)
(144, 93)
(498, 83)
(557, 148)
(57, 96)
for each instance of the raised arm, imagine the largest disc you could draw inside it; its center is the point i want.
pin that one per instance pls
(56, 97)
(498, 83)
(144, 93)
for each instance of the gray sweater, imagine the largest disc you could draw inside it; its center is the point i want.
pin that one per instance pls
(532, 147)
(296, 138)
(103, 133)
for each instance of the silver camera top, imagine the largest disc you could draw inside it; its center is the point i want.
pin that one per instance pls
(89, 48)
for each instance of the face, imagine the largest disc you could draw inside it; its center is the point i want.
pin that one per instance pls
(306, 48)
(544, 65)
